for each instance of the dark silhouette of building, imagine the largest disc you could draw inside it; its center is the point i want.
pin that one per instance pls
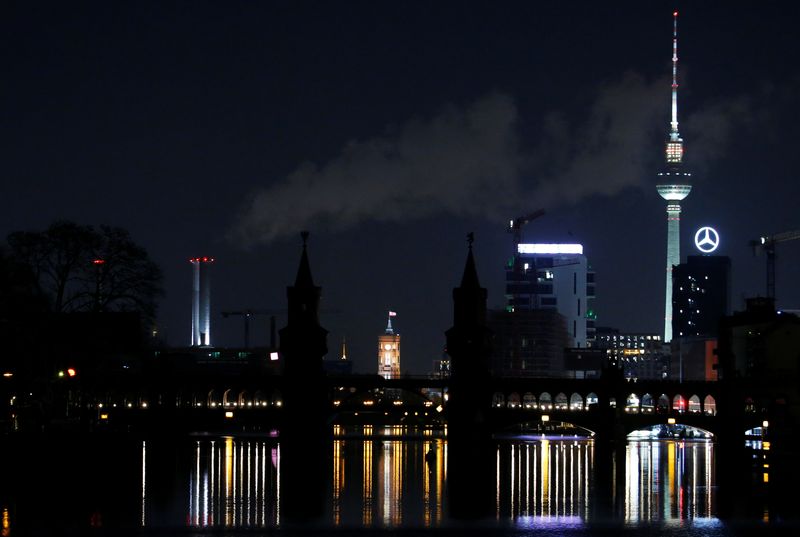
(700, 295)
(528, 343)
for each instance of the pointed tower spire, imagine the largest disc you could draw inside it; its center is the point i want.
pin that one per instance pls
(470, 277)
(304, 278)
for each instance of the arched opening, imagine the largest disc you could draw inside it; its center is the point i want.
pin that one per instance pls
(576, 402)
(591, 399)
(259, 399)
(243, 399)
(679, 404)
(545, 401)
(513, 400)
(227, 398)
(498, 400)
(694, 405)
(529, 400)
(213, 399)
(647, 404)
(662, 406)
(632, 404)
(710, 406)
(561, 403)
(749, 405)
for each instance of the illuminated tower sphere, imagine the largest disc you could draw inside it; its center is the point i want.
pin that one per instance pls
(389, 351)
(201, 301)
(674, 184)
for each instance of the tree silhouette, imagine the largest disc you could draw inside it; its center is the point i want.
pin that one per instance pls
(82, 269)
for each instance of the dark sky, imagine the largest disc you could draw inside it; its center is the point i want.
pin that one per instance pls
(392, 129)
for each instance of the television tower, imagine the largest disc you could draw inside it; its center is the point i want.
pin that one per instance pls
(674, 184)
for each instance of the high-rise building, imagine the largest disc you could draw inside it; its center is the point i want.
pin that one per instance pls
(674, 184)
(700, 295)
(553, 277)
(201, 301)
(389, 351)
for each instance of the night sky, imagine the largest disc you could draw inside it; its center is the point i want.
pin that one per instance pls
(390, 130)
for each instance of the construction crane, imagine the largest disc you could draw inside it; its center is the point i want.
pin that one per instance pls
(515, 226)
(767, 245)
(247, 313)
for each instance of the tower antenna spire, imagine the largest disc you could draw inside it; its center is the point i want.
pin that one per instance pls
(673, 134)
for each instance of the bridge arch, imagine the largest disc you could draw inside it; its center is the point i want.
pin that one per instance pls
(561, 402)
(576, 402)
(694, 404)
(514, 400)
(647, 404)
(709, 406)
(529, 401)
(498, 400)
(545, 401)
(679, 404)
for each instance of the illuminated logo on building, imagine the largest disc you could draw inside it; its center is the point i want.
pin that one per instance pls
(706, 239)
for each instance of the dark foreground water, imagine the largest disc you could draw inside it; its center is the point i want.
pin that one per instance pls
(379, 481)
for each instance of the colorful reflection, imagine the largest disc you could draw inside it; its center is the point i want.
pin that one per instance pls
(669, 480)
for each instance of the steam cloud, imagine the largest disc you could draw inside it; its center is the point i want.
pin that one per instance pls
(470, 162)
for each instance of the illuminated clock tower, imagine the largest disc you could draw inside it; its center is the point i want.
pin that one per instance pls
(389, 351)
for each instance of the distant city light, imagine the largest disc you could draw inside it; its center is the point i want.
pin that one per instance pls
(273, 356)
(550, 248)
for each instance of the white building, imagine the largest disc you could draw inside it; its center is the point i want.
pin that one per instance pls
(555, 277)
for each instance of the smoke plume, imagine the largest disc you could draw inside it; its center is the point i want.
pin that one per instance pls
(472, 162)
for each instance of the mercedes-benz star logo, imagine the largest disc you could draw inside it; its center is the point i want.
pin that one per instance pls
(706, 239)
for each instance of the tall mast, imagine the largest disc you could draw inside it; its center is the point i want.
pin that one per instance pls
(673, 135)
(674, 149)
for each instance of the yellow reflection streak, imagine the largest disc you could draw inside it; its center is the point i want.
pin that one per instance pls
(5, 529)
(366, 481)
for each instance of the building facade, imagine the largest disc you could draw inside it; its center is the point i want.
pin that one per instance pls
(528, 343)
(554, 277)
(638, 355)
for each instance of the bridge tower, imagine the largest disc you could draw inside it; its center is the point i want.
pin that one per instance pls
(304, 433)
(470, 468)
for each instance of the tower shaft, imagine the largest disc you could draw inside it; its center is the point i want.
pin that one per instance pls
(673, 258)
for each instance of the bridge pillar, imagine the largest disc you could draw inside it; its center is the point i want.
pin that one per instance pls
(305, 436)
(471, 452)
(610, 450)
(733, 468)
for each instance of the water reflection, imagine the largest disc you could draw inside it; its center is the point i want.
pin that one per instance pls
(669, 480)
(381, 480)
(397, 482)
(547, 479)
(234, 483)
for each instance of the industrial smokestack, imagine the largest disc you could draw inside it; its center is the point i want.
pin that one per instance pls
(201, 301)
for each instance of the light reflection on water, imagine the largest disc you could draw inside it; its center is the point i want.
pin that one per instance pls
(669, 480)
(382, 481)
